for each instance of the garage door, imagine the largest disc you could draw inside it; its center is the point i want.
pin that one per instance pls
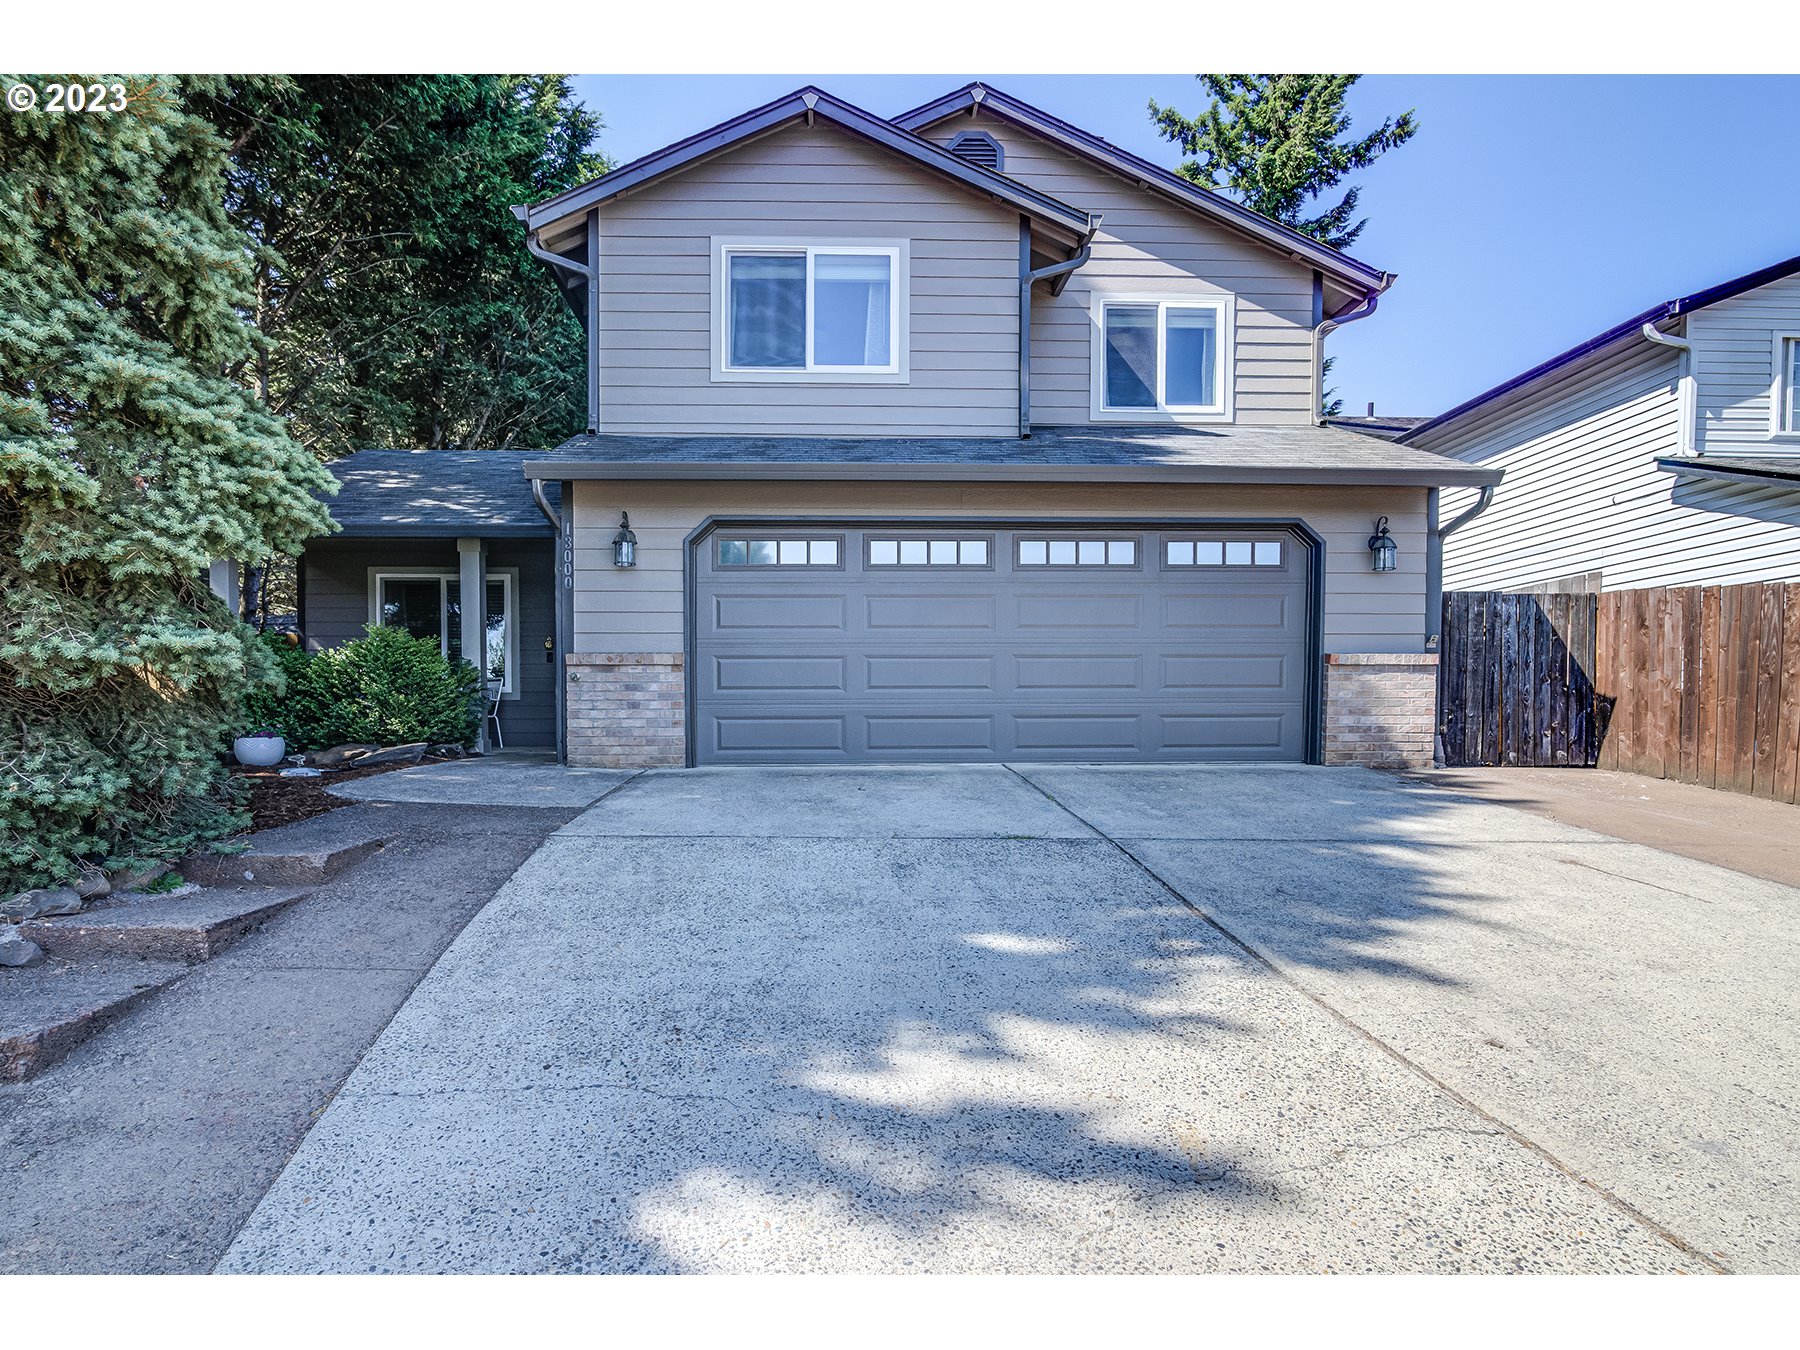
(875, 643)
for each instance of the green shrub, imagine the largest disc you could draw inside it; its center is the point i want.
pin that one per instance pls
(388, 687)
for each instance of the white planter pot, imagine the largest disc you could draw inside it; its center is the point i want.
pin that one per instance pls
(259, 752)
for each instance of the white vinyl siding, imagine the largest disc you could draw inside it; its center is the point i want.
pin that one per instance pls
(1148, 244)
(958, 341)
(1582, 492)
(642, 609)
(1736, 377)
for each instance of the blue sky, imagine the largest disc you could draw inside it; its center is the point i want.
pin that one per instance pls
(1529, 213)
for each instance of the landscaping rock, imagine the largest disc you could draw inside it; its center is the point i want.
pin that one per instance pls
(302, 771)
(136, 878)
(337, 756)
(18, 950)
(92, 884)
(398, 754)
(448, 750)
(40, 904)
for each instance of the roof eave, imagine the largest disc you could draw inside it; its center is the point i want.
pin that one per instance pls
(1685, 467)
(798, 105)
(1451, 474)
(1153, 176)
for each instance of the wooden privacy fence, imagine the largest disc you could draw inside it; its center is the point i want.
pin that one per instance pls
(1700, 684)
(1513, 679)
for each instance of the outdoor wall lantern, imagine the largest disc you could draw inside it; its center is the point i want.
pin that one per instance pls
(1383, 551)
(625, 543)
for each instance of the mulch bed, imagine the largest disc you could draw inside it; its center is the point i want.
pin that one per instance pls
(275, 800)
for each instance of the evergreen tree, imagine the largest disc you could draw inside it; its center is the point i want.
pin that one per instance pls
(391, 277)
(1277, 143)
(130, 457)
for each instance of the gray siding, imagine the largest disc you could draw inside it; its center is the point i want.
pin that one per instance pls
(655, 341)
(1734, 368)
(643, 610)
(1147, 244)
(1582, 492)
(335, 610)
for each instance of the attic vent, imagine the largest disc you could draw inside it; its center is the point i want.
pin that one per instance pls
(979, 148)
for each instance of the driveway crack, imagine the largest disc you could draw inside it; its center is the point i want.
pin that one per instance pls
(1498, 1125)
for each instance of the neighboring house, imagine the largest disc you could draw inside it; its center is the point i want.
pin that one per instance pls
(1664, 452)
(958, 435)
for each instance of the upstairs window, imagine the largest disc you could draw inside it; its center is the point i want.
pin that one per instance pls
(811, 309)
(1162, 360)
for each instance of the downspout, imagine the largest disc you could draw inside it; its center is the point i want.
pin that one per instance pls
(562, 564)
(1058, 275)
(1684, 398)
(585, 272)
(543, 504)
(1350, 313)
(1434, 558)
(1434, 584)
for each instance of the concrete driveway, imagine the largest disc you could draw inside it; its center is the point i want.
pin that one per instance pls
(1074, 1019)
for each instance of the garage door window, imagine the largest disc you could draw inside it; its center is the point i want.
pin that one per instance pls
(779, 552)
(1077, 553)
(1223, 553)
(928, 552)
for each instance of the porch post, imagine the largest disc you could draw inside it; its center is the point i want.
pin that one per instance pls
(471, 567)
(222, 578)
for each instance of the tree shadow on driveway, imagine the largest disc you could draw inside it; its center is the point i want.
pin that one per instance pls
(758, 1054)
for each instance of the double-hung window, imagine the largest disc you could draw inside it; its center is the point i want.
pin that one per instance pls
(1784, 411)
(428, 605)
(810, 309)
(1162, 359)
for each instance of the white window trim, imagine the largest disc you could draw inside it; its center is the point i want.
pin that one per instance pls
(507, 576)
(897, 371)
(1778, 386)
(1226, 307)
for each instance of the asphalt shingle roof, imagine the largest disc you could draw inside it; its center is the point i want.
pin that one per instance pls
(1229, 452)
(437, 492)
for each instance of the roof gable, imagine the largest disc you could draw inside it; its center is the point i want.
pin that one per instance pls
(808, 104)
(1359, 276)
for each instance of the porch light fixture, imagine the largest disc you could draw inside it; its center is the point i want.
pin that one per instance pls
(625, 543)
(1383, 551)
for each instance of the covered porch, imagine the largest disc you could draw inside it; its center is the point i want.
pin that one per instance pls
(451, 547)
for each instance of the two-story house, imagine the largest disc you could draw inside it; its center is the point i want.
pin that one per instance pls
(1662, 452)
(950, 436)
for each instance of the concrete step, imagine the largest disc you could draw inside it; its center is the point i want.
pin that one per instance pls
(48, 1010)
(186, 928)
(276, 858)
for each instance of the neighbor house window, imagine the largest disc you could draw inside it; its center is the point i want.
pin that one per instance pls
(1162, 359)
(1785, 420)
(429, 605)
(811, 309)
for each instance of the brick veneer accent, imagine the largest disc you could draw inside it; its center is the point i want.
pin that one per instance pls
(1381, 709)
(626, 710)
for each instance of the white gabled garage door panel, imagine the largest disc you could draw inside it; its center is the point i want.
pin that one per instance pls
(859, 662)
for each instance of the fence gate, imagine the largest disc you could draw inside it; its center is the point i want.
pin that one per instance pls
(1515, 679)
